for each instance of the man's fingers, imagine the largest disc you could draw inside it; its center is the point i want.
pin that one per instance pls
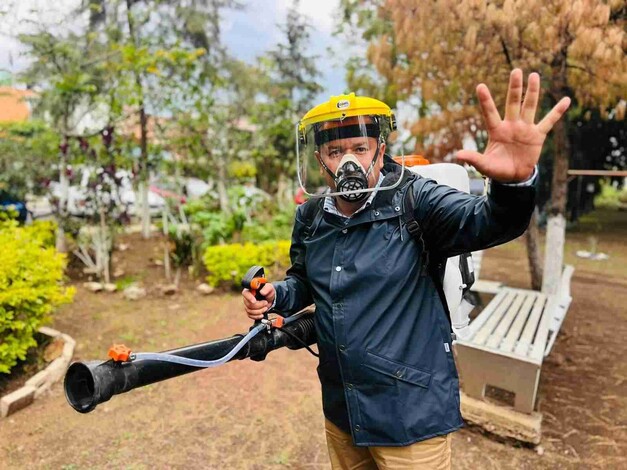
(488, 108)
(530, 103)
(255, 304)
(265, 290)
(554, 115)
(248, 296)
(251, 302)
(256, 311)
(514, 95)
(472, 158)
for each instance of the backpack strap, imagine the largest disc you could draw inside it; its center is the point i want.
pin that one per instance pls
(430, 263)
(312, 213)
(414, 229)
(467, 271)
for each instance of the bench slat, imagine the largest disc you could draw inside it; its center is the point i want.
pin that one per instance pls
(516, 330)
(480, 320)
(522, 348)
(483, 334)
(539, 342)
(486, 287)
(506, 321)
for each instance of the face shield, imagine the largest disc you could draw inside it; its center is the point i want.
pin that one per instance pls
(342, 157)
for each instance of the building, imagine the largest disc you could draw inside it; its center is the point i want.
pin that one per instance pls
(15, 104)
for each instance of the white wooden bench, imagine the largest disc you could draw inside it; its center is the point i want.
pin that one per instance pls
(482, 286)
(509, 340)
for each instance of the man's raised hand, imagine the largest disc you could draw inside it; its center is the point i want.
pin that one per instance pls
(514, 143)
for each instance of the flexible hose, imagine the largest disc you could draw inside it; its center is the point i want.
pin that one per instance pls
(186, 361)
(197, 362)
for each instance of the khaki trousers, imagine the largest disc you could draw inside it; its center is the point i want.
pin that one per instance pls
(434, 453)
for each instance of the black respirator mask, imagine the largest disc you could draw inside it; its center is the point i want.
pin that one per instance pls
(350, 174)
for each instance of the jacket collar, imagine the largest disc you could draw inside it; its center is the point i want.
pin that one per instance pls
(392, 171)
(387, 203)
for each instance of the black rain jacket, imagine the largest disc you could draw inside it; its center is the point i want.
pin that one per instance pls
(386, 364)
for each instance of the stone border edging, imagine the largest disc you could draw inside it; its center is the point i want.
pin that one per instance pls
(41, 382)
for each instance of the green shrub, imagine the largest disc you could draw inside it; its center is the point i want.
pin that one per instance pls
(276, 226)
(31, 272)
(610, 197)
(243, 203)
(43, 232)
(227, 264)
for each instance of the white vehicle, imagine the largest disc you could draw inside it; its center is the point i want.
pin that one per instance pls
(196, 188)
(78, 203)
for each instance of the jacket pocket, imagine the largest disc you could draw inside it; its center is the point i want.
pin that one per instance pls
(397, 370)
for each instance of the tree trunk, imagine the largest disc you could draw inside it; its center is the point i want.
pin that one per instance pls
(143, 126)
(166, 244)
(221, 185)
(104, 248)
(559, 184)
(556, 224)
(61, 241)
(283, 190)
(143, 166)
(532, 239)
(144, 208)
(554, 253)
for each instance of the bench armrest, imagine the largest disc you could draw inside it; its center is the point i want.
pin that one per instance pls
(560, 305)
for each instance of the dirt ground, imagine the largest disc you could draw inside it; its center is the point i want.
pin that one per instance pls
(249, 415)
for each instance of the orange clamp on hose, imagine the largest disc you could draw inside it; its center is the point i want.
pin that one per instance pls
(119, 353)
(278, 321)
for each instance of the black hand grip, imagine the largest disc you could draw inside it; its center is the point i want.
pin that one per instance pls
(255, 279)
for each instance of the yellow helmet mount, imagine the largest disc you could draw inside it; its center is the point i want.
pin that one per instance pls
(343, 106)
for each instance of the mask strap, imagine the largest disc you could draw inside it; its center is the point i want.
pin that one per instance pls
(374, 159)
(327, 168)
(368, 171)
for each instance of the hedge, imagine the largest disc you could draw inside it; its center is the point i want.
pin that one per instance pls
(227, 264)
(31, 272)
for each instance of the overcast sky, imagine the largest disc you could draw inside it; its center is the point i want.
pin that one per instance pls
(247, 33)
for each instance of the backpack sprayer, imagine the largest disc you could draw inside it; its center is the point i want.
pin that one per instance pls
(87, 384)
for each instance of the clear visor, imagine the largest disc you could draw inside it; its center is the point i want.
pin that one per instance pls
(342, 157)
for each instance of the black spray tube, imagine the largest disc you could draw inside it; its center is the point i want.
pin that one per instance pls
(89, 383)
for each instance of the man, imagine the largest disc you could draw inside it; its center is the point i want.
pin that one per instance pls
(390, 389)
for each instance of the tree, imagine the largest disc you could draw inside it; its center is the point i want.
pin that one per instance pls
(213, 99)
(439, 53)
(166, 56)
(68, 88)
(28, 152)
(289, 88)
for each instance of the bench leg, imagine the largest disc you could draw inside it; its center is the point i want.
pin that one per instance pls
(473, 385)
(479, 368)
(525, 397)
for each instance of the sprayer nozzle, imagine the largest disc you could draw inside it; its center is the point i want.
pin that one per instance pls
(119, 353)
(80, 388)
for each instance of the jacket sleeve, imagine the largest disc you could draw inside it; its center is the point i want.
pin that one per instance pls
(455, 222)
(294, 292)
